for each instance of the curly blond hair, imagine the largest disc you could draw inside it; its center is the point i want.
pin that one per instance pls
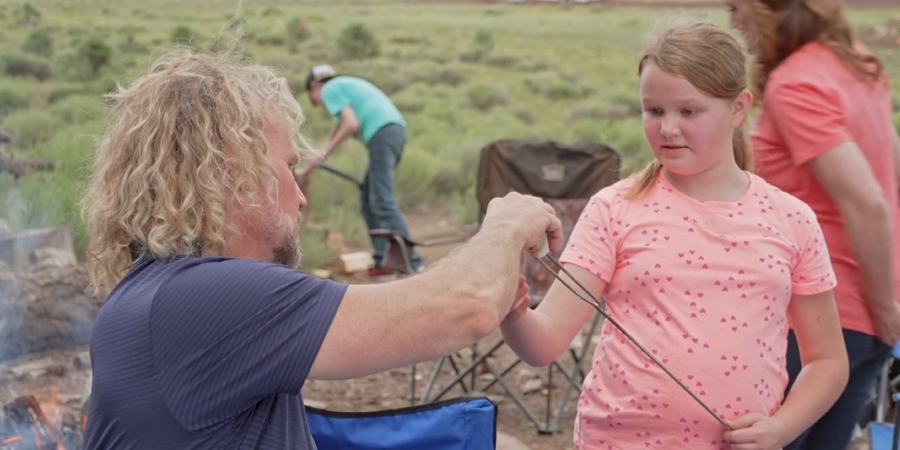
(184, 143)
(783, 26)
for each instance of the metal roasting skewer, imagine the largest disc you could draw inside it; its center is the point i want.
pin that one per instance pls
(539, 253)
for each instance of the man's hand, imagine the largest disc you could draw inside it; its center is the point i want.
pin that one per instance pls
(887, 324)
(755, 431)
(528, 217)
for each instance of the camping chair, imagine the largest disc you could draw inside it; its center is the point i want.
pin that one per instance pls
(459, 424)
(884, 436)
(565, 176)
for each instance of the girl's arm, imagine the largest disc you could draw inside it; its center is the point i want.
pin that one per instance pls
(824, 375)
(824, 355)
(541, 335)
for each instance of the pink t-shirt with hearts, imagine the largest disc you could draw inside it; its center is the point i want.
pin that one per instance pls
(705, 287)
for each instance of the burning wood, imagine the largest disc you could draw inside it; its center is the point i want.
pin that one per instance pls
(26, 427)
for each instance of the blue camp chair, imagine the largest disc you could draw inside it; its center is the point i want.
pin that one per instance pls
(885, 436)
(457, 424)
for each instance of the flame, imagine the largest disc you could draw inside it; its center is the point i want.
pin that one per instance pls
(11, 440)
(47, 434)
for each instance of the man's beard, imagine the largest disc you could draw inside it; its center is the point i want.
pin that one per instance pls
(287, 249)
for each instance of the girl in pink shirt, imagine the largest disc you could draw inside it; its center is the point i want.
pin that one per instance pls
(704, 264)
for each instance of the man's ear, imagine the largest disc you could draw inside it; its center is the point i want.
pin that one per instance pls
(742, 105)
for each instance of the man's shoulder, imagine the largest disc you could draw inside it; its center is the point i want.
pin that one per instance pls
(227, 273)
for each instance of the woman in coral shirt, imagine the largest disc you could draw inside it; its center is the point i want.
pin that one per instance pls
(826, 136)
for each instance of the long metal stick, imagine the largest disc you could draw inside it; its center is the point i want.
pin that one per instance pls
(597, 305)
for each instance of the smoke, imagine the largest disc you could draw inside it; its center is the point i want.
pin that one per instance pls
(44, 303)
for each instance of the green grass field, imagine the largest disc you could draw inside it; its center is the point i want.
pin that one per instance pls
(463, 74)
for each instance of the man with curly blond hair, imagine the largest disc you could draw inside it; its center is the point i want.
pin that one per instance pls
(209, 332)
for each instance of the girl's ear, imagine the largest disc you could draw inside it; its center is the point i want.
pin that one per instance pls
(742, 105)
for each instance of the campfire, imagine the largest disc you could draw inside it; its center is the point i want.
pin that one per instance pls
(25, 426)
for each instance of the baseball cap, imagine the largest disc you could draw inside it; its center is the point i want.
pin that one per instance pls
(319, 73)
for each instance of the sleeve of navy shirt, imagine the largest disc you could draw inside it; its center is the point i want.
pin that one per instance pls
(228, 333)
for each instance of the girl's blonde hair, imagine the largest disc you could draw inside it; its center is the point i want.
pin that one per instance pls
(712, 61)
(184, 142)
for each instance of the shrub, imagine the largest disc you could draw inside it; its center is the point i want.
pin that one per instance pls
(272, 11)
(526, 115)
(39, 42)
(273, 39)
(442, 75)
(31, 127)
(62, 91)
(24, 66)
(183, 35)
(502, 61)
(484, 39)
(93, 54)
(357, 41)
(12, 99)
(556, 87)
(78, 109)
(27, 14)
(484, 97)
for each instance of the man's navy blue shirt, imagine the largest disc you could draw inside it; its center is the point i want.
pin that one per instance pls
(207, 353)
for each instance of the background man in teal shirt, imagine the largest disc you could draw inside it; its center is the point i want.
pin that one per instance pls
(363, 110)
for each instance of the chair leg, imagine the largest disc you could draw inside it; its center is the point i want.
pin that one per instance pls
(434, 375)
(477, 358)
(405, 252)
(894, 441)
(881, 396)
(412, 395)
(579, 365)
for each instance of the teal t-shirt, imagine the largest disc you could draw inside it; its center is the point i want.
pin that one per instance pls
(373, 108)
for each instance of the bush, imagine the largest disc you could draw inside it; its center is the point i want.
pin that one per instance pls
(93, 54)
(39, 42)
(27, 14)
(484, 97)
(12, 99)
(556, 87)
(78, 109)
(272, 11)
(132, 45)
(526, 115)
(30, 128)
(183, 35)
(273, 39)
(357, 41)
(484, 39)
(62, 91)
(441, 75)
(24, 66)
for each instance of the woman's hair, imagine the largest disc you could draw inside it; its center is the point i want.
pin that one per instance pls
(711, 60)
(783, 26)
(184, 143)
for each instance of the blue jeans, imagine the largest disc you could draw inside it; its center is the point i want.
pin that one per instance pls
(379, 208)
(833, 431)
